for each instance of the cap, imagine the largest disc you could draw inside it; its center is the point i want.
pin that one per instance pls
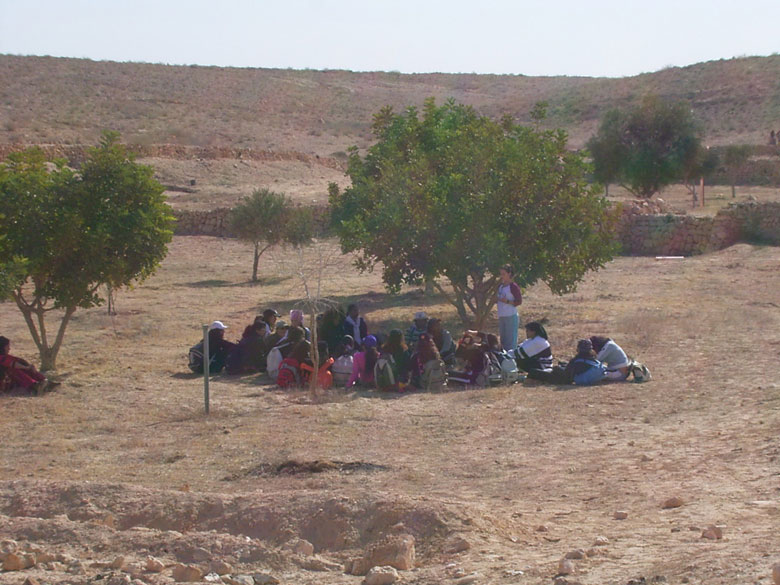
(217, 325)
(369, 341)
(281, 324)
(273, 312)
(420, 315)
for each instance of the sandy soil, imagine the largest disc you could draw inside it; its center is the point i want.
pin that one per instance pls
(502, 482)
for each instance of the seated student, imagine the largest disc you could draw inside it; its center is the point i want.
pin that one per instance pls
(18, 373)
(584, 369)
(269, 318)
(355, 325)
(472, 356)
(612, 356)
(249, 354)
(443, 340)
(363, 363)
(534, 355)
(289, 373)
(282, 350)
(296, 320)
(343, 362)
(324, 373)
(330, 326)
(391, 372)
(417, 328)
(219, 349)
(427, 368)
(271, 340)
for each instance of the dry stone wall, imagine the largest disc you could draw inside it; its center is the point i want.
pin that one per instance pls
(650, 234)
(641, 230)
(75, 154)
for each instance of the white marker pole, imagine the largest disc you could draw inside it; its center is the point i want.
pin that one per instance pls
(206, 361)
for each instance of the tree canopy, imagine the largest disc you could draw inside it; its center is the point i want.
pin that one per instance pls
(646, 147)
(265, 219)
(65, 232)
(452, 195)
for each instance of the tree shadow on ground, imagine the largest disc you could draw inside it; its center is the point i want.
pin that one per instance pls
(217, 283)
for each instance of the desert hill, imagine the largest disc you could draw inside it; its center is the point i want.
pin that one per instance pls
(58, 100)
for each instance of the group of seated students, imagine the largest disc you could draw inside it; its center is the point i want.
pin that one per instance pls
(423, 357)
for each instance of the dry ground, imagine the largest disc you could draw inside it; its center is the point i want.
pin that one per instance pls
(223, 182)
(122, 453)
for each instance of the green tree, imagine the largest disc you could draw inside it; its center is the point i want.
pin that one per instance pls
(646, 147)
(265, 219)
(452, 196)
(71, 232)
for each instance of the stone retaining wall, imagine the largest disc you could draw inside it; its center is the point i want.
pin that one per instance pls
(641, 230)
(683, 235)
(75, 154)
(215, 221)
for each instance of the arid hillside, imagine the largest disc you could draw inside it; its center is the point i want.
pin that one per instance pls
(55, 100)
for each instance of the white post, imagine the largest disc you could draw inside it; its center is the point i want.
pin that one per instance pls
(206, 360)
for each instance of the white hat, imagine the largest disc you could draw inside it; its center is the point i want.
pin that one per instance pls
(420, 315)
(217, 325)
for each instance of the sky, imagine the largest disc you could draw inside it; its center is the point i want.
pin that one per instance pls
(596, 38)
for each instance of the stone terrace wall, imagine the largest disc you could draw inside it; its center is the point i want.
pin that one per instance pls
(76, 154)
(641, 229)
(214, 222)
(650, 234)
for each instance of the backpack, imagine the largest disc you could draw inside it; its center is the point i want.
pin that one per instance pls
(342, 370)
(594, 374)
(195, 358)
(272, 363)
(491, 371)
(384, 376)
(509, 372)
(641, 372)
(433, 375)
(288, 374)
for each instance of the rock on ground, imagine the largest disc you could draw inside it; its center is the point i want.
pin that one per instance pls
(394, 551)
(381, 576)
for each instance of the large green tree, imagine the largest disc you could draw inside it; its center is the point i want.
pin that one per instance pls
(451, 196)
(646, 147)
(266, 219)
(70, 232)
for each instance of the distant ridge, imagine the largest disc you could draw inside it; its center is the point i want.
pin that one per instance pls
(70, 101)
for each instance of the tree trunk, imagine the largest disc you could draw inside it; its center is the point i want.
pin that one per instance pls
(48, 353)
(429, 286)
(255, 262)
(606, 189)
(733, 191)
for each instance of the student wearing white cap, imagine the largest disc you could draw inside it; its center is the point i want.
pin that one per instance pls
(219, 348)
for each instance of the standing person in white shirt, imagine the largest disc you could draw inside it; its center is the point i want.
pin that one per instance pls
(509, 298)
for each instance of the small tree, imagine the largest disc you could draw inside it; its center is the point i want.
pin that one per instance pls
(454, 195)
(266, 219)
(73, 232)
(647, 147)
(735, 157)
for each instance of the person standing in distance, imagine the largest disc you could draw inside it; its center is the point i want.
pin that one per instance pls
(509, 297)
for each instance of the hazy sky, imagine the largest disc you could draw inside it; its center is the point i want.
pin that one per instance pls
(550, 37)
